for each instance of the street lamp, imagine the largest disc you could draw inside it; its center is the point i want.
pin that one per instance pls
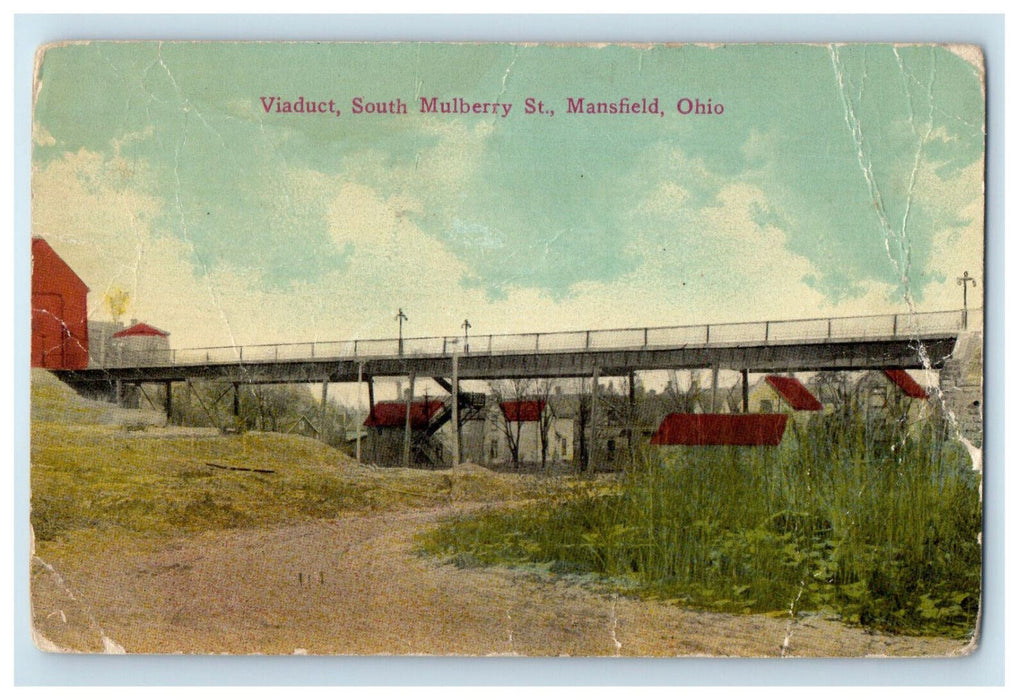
(964, 280)
(401, 317)
(466, 337)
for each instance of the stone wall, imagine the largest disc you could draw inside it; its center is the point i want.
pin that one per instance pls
(961, 385)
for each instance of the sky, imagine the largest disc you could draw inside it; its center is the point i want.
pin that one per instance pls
(838, 180)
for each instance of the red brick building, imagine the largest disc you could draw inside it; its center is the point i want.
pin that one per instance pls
(386, 434)
(141, 344)
(60, 331)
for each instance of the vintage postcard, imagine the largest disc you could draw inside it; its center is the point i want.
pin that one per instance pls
(507, 349)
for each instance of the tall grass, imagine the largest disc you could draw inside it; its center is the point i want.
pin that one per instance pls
(869, 519)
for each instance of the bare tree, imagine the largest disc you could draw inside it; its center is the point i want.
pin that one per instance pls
(835, 388)
(681, 399)
(513, 393)
(583, 417)
(542, 393)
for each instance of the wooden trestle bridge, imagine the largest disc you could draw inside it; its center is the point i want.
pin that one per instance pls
(892, 341)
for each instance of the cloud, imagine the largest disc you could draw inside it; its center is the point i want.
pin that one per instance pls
(226, 224)
(958, 246)
(42, 137)
(89, 208)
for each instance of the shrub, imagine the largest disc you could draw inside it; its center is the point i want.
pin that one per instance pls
(877, 525)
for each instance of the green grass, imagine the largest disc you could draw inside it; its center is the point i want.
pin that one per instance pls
(873, 522)
(90, 475)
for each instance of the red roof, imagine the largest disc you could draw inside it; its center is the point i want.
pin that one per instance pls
(49, 269)
(522, 411)
(906, 383)
(721, 429)
(143, 329)
(796, 395)
(392, 414)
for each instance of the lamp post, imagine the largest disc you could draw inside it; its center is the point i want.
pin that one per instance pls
(401, 317)
(466, 337)
(964, 280)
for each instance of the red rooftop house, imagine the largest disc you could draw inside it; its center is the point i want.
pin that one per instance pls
(904, 381)
(744, 429)
(891, 390)
(797, 397)
(517, 425)
(387, 434)
(60, 330)
(776, 394)
(141, 344)
(522, 411)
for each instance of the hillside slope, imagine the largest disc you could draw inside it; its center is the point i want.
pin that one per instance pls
(92, 469)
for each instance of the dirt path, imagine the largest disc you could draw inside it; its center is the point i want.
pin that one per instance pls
(356, 586)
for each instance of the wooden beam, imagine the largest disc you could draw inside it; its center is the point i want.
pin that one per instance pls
(593, 447)
(359, 428)
(146, 396)
(408, 435)
(203, 404)
(324, 410)
(835, 355)
(744, 390)
(715, 387)
(457, 456)
(630, 411)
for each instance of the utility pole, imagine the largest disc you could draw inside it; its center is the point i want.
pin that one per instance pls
(744, 390)
(593, 448)
(359, 428)
(964, 280)
(400, 318)
(466, 337)
(457, 451)
(407, 436)
(323, 427)
(630, 412)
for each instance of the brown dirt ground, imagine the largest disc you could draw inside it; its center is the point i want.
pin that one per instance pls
(365, 590)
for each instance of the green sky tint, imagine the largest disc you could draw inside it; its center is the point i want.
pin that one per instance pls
(863, 163)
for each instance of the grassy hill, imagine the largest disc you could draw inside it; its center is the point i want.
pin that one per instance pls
(95, 469)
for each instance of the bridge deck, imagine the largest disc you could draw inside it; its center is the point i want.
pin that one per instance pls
(906, 341)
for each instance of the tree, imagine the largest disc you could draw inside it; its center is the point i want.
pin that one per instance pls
(542, 394)
(264, 407)
(583, 416)
(511, 391)
(116, 301)
(681, 399)
(835, 388)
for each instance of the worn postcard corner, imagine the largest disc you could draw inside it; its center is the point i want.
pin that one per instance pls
(507, 349)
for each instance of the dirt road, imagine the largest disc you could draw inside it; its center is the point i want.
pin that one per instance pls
(357, 586)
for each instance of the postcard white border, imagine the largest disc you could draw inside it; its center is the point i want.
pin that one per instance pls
(985, 667)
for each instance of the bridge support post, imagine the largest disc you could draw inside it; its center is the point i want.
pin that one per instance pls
(744, 390)
(235, 399)
(457, 443)
(167, 400)
(715, 387)
(408, 435)
(324, 410)
(359, 383)
(370, 393)
(593, 439)
(630, 412)
(119, 393)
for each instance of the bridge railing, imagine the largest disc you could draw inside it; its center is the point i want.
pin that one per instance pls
(715, 334)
